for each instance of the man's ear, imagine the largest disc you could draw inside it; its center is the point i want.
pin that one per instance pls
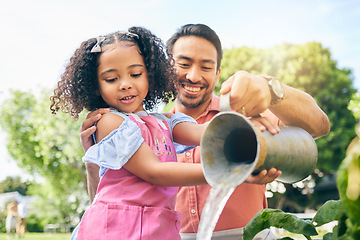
(218, 75)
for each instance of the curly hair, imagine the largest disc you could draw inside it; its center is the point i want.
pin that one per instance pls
(78, 86)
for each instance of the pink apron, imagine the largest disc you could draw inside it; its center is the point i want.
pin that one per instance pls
(126, 207)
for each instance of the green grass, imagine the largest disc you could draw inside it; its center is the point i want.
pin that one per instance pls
(40, 236)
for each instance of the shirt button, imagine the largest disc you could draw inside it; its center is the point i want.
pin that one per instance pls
(193, 211)
(187, 154)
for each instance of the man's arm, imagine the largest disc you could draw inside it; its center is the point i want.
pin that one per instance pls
(300, 109)
(250, 95)
(86, 130)
(92, 179)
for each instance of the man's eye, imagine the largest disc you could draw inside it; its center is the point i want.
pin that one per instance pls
(206, 68)
(183, 65)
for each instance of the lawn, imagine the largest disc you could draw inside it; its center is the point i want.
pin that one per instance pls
(41, 236)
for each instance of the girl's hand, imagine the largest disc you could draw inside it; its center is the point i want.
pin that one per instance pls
(264, 123)
(264, 176)
(87, 127)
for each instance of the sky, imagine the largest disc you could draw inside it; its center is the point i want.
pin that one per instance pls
(38, 37)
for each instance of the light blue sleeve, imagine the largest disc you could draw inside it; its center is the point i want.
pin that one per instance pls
(74, 233)
(179, 118)
(113, 151)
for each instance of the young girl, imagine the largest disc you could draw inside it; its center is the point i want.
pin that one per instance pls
(129, 71)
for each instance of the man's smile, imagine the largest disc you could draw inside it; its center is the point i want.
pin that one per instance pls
(191, 89)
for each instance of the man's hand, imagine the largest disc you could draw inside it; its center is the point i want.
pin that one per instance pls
(87, 128)
(265, 123)
(249, 94)
(264, 176)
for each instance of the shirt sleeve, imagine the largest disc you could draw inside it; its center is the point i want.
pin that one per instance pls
(179, 118)
(113, 151)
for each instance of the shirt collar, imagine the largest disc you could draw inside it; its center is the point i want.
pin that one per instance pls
(213, 106)
(139, 113)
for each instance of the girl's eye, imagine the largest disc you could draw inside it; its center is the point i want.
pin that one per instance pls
(136, 75)
(110, 80)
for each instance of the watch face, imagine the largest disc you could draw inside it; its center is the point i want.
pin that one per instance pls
(277, 88)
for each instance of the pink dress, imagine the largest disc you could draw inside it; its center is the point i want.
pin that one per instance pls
(125, 206)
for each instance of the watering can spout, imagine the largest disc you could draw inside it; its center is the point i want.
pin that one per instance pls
(232, 145)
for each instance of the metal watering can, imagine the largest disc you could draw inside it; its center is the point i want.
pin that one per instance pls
(232, 146)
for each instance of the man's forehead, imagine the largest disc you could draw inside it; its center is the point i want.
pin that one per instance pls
(194, 59)
(194, 48)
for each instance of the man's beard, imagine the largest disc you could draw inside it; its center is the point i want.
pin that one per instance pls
(187, 100)
(191, 104)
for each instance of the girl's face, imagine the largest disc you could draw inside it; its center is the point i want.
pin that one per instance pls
(122, 77)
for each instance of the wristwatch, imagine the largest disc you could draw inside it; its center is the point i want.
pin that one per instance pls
(276, 90)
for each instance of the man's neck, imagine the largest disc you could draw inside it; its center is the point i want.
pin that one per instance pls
(192, 112)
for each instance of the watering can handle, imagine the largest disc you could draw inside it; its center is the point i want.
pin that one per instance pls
(225, 102)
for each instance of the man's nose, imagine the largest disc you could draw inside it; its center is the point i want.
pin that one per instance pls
(194, 74)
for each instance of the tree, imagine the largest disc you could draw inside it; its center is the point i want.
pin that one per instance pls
(47, 147)
(14, 184)
(307, 67)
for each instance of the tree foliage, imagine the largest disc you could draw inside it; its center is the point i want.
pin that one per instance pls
(11, 184)
(47, 147)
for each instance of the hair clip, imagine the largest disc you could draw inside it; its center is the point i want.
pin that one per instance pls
(130, 34)
(96, 48)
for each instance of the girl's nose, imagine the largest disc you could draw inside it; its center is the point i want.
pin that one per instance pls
(125, 85)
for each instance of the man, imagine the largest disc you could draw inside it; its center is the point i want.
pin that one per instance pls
(197, 52)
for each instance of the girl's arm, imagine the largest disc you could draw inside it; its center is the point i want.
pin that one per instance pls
(187, 133)
(146, 165)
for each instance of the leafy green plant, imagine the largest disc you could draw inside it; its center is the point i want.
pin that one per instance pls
(346, 210)
(267, 218)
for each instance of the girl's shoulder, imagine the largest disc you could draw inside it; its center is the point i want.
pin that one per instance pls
(107, 123)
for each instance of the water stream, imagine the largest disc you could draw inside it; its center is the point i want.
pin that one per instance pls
(214, 205)
(219, 194)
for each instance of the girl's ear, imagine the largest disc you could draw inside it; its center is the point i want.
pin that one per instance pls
(98, 90)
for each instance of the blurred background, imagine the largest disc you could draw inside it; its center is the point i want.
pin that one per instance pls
(310, 45)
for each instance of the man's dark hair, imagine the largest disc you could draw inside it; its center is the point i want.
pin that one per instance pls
(198, 30)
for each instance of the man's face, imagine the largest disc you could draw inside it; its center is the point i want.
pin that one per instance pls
(195, 61)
